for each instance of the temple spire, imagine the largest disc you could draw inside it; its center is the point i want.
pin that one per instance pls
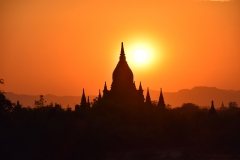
(105, 86)
(83, 100)
(140, 87)
(223, 107)
(148, 98)
(99, 95)
(122, 54)
(88, 103)
(161, 102)
(212, 110)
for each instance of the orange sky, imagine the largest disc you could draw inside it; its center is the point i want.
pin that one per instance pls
(59, 47)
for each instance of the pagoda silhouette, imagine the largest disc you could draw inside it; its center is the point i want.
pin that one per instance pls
(123, 90)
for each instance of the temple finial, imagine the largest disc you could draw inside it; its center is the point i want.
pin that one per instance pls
(148, 92)
(140, 86)
(122, 54)
(148, 98)
(99, 95)
(83, 99)
(212, 110)
(105, 86)
(161, 102)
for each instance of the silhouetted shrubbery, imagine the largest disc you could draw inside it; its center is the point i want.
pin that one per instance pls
(51, 132)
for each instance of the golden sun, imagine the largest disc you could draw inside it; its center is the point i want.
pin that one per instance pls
(140, 56)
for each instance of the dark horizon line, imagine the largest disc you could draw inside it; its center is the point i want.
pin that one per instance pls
(145, 89)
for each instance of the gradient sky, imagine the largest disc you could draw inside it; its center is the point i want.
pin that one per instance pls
(59, 47)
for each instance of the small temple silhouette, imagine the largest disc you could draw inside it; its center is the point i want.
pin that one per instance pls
(212, 110)
(123, 90)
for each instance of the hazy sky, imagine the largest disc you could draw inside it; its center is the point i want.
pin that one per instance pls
(60, 46)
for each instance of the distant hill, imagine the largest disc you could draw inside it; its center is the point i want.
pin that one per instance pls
(201, 96)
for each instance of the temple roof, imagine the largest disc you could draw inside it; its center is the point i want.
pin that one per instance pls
(122, 72)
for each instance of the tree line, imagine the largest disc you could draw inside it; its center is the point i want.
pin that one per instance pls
(47, 131)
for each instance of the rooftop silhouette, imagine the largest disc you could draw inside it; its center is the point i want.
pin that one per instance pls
(123, 89)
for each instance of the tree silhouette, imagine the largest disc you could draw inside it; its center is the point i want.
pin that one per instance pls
(232, 104)
(189, 108)
(17, 106)
(6, 105)
(40, 102)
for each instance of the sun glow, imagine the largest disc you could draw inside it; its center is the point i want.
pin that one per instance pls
(143, 53)
(140, 55)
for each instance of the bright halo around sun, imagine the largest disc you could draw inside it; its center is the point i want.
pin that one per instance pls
(140, 55)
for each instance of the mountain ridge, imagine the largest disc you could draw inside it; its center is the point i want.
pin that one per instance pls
(200, 95)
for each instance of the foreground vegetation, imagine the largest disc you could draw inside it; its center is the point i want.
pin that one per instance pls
(48, 131)
(51, 132)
